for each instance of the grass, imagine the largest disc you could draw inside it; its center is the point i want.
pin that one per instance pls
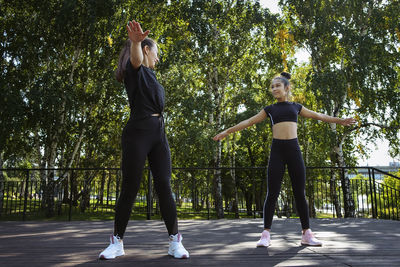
(76, 215)
(13, 211)
(183, 214)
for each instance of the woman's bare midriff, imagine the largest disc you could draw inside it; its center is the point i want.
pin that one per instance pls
(285, 130)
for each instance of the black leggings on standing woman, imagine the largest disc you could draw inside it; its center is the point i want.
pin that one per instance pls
(140, 140)
(286, 152)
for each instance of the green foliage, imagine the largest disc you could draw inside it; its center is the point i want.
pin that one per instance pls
(61, 105)
(354, 59)
(392, 182)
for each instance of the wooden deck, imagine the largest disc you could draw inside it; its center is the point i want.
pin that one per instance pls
(347, 242)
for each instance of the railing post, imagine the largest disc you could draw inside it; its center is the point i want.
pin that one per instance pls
(71, 179)
(374, 184)
(397, 208)
(254, 198)
(345, 194)
(372, 195)
(26, 195)
(208, 195)
(149, 196)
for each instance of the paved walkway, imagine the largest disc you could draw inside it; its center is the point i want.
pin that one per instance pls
(347, 242)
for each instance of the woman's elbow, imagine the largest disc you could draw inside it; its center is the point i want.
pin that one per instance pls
(251, 122)
(136, 62)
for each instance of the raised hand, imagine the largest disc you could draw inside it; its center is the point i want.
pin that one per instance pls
(220, 136)
(135, 32)
(347, 122)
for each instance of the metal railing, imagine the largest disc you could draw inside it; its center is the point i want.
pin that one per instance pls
(91, 193)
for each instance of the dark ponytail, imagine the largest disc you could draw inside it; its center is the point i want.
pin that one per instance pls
(125, 54)
(284, 78)
(123, 58)
(286, 75)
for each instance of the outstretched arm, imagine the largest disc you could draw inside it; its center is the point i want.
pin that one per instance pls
(136, 36)
(242, 125)
(306, 113)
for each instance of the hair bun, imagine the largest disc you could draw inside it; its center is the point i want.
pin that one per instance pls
(286, 75)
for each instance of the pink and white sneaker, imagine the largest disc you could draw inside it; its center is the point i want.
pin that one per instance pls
(115, 249)
(265, 240)
(176, 249)
(308, 239)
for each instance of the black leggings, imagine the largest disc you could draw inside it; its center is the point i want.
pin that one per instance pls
(286, 152)
(141, 140)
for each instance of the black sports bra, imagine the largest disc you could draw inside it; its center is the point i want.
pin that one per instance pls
(283, 111)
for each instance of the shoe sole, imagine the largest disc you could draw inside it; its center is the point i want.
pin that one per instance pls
(102, 257)
(309, 245)
(263, 246)
(183, 256)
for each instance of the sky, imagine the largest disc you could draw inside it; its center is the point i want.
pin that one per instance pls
(379, 155)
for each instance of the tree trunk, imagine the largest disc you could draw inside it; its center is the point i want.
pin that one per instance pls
(216, 100)
(102, 185)
(65, 186)
(47, 180)
(74, 193)
(218, 183)
(249, 203)
(233, 175)
(85, 196)
(338, 159)
(194, 193)
(334, 197)
(48, 194)
(349, 207)
(250, 192)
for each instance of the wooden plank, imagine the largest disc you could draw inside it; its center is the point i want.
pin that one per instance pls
(347, 242)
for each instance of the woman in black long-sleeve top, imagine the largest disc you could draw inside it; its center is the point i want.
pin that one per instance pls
(143, 137)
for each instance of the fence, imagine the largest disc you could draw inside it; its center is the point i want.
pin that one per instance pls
(91, 193)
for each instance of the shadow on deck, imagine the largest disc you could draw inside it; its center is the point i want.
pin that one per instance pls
(347, 242)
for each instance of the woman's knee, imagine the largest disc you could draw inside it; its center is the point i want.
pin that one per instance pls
(127, 196)
(299, 194)
(162, 184)
(272, 197)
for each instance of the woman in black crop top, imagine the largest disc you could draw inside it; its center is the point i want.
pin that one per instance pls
(285, 151)
(143, 137)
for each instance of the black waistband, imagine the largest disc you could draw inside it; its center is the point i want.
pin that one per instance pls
(274, 140)
(143, 117)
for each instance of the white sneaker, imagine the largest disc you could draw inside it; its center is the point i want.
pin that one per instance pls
(115, 249)
(308, 239)
(265, 240)
(176, 248)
